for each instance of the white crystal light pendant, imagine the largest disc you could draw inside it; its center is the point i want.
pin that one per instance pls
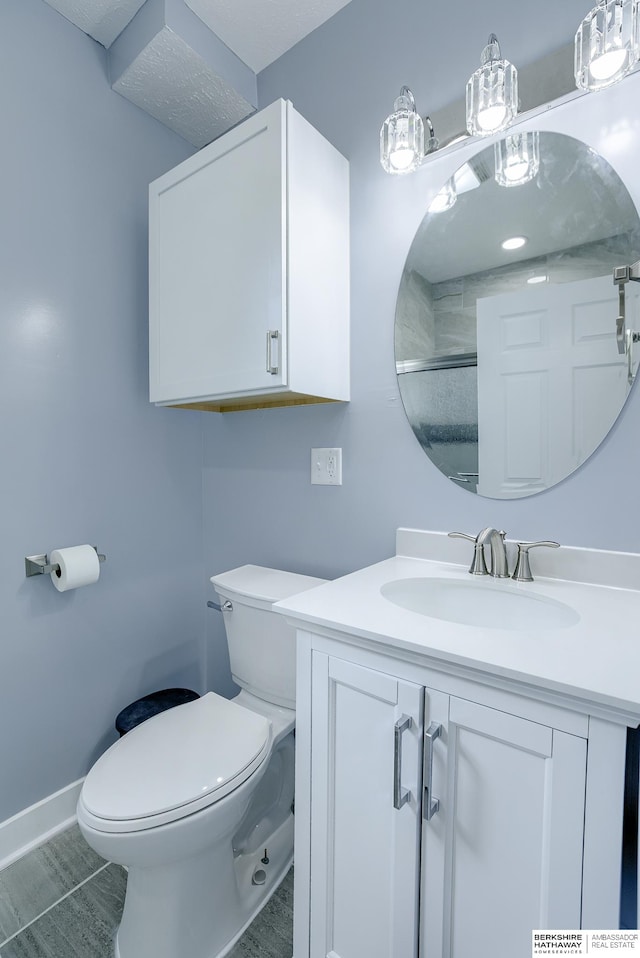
(492, 93)
(402, 136)
(517, 158)
(607, 44)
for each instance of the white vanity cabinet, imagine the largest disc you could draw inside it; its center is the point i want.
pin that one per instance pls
(438, 820)
(459, 776)
(249, 270)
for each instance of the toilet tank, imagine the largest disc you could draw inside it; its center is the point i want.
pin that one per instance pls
(262, 645)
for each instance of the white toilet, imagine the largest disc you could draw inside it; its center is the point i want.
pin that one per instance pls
(197, 801)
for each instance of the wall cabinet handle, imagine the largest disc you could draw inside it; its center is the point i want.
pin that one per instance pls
(273, 335)
(400, 795)
(430, 805)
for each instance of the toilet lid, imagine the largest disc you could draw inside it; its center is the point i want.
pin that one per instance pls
(197, 751)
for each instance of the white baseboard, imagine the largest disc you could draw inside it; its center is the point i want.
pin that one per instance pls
(37, 824)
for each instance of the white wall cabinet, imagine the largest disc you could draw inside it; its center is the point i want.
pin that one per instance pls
(439, 813)
(249, 270)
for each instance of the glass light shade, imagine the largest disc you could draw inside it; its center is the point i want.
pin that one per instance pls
(517, 158)
(444, 199)
(492, 93)
(402, 136)
(607, 44)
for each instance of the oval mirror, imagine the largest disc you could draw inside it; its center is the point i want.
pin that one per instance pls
(512, 364)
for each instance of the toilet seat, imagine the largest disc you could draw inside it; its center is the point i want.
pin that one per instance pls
(175, 764)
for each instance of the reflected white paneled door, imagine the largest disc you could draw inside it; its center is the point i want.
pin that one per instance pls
(503, 854)
(366, 760)
(551, 381)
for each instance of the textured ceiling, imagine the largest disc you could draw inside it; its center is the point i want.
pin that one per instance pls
(103, 20)
(173, 84)
(260, 31)
(192, 64)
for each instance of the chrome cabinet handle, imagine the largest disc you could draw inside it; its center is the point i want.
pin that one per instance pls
(430, 805)
(273, 335)
(400, 795)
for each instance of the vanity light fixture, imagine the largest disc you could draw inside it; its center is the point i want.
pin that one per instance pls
(402, 143)
(607, 44)
(517, 158)
(514, 242)
(492, 92)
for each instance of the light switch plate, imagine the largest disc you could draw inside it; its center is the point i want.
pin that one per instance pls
(326, 467)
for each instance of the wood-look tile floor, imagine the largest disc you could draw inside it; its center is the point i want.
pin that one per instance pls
(64, 901)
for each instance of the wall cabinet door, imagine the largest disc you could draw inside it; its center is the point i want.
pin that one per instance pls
(249, 269)
(365, 822)
(503, 854)
(217, 268)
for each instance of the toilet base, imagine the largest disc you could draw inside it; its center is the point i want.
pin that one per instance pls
(277, 881)
(243, 901)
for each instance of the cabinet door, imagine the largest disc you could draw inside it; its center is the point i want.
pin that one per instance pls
(503, 854)
(364, 850)
(217, 266)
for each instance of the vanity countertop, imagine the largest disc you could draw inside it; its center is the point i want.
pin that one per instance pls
(596, 659)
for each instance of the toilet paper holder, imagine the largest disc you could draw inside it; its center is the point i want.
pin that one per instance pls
(40, 565)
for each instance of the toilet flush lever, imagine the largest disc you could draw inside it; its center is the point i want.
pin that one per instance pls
(225, 607)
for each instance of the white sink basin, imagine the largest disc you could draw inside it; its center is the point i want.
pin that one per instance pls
(493, 604)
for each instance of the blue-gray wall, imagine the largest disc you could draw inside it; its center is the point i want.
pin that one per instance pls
(83, 456)
(259, 504)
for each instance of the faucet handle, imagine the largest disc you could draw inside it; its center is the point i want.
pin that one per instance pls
(478, 566)
(522, 571)
(461, 535)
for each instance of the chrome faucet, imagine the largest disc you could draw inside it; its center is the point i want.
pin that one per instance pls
(498, 551)
(499, 566)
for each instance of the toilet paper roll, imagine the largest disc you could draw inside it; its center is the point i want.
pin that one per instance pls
(78, 566)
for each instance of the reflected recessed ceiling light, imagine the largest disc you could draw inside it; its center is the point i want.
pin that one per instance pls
(514, 242)
(533, 280)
